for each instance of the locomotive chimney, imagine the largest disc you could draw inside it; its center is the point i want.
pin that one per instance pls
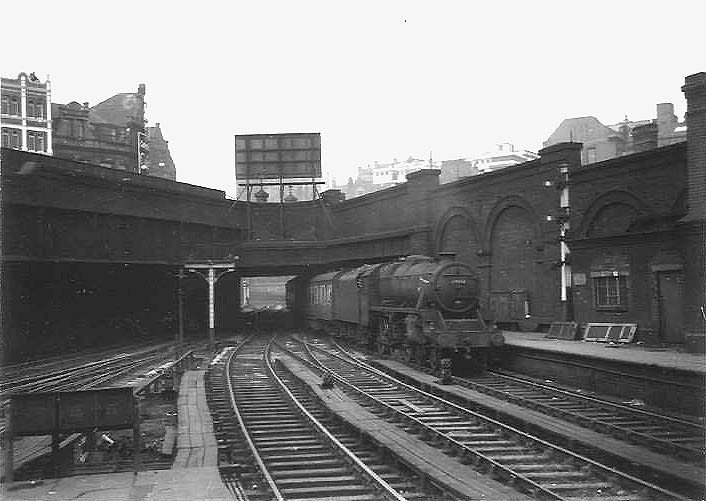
(446, 256)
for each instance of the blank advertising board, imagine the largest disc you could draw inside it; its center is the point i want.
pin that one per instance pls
(33, 413)
(72, 411)
(274, 156)
(106, 408)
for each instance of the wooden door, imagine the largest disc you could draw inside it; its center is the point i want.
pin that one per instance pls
(671, 300)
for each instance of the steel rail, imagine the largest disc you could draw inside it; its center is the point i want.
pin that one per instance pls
(450, 405)
(13, 383)
(248, 438)
(419, 425)
(663, 444)
(387, 490)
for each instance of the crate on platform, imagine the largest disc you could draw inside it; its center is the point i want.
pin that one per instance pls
(563, 330)
(609, 332)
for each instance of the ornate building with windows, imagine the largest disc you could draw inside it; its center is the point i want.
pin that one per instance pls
(26, 119)
(111, 134)
(159, 161)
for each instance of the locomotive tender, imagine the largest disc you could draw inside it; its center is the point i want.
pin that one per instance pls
(421, 308)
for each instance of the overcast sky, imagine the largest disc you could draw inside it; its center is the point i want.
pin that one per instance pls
(379, 80)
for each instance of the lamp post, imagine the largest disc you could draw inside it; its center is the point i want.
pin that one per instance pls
(211, 272)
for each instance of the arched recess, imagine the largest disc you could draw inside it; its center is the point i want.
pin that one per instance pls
(504, 204)
(611, 214)
(456, 232)
(512, 239)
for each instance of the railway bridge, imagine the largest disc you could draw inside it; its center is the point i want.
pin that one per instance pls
(87, 249)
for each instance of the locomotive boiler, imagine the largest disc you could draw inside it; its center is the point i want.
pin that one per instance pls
(419, 308)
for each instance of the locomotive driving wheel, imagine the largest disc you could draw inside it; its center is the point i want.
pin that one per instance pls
(382, 345)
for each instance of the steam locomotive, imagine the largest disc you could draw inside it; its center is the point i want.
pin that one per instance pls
(421, 308)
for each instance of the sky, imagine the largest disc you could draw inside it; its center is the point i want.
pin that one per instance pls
(378, 79)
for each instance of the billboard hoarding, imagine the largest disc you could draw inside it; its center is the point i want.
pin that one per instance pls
(33, 413)
(71, 411)
(278, 156)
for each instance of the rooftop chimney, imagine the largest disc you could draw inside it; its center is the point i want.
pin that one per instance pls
(694, 90)
(667, 121)
(644, 137)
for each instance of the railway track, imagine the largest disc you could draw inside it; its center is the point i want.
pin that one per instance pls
(673, 436)
(299, 451)
(529, 463)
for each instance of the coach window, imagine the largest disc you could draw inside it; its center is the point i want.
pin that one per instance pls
(30, 141)
(30, 109)
(40, 110)
(15, 107)
(5, 105)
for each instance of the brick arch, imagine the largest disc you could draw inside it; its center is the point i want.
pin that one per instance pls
(456, 216)
(603, 202)
(512, 240)
(500, 207)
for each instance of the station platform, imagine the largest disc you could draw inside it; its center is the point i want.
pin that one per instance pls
(457, 477)
(633, 353)
(194, 474)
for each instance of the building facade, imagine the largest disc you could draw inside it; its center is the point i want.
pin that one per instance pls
(159, 160)
(603, 142)
(26, 118)
(505, 155)
(111, 134)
